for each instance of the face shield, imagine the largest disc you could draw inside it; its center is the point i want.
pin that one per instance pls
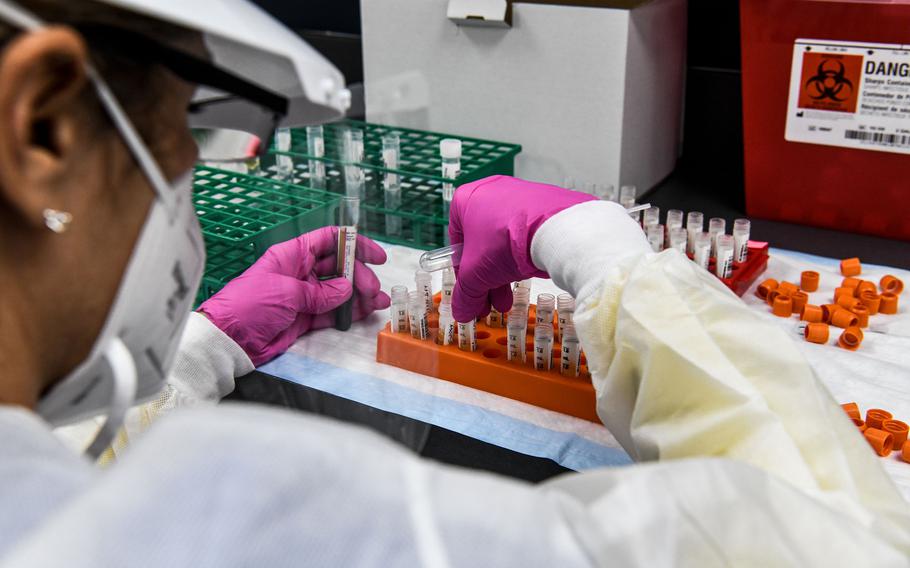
(133, 354)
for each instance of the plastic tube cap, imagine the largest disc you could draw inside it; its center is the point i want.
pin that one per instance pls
(882, 442)
(864, 286)
(841, 291)
(450, 148)
(766, 287)
(799, 301)
(876, 416)
(852, 410)
(850, 282)
(891, 284)
(888, 304)
(862, 315)
(898, 431)
(787, 288)
(828, 311)
(851, 338)
(812, 314)
(847, 302)
(843, 319)
(808, 281)
(905, 451)
(783, 306)
(851, 267)
(816, 333)
(872, 302)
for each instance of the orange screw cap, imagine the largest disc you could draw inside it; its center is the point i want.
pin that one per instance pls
(898, 431)
(816, 333)
(905, 452)
(787, 288)
(876, 416)
(812, 314)
(850, 267)
(828, 311)
(888, 304)
(882, 442)
(766, 287)
(847, 301)
(808, 281)
(850, 282)
(798, 301)
(843, 319)
(872, 301)
(783, 306)
(852, 409)
(851, 338)
(891, 284)
(858, 422)
(862, 315)
(842, 291)
(864, 286)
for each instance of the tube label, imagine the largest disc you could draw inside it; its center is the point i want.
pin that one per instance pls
(543, 354)
(446, 334)
(516, 341)
(571, 359)
(467, 340)
(347, 245)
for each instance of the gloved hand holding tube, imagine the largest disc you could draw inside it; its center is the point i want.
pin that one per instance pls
(285, 293)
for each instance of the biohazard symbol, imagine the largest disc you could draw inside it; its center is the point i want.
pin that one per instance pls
(830, 82)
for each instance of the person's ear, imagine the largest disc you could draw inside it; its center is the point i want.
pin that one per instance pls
(42, 75)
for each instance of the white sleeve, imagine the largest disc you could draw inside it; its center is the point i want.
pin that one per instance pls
(683, 368)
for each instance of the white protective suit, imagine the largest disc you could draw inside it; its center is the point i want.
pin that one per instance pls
(752, 462)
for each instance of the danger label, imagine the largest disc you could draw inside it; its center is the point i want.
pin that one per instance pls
(853, 95)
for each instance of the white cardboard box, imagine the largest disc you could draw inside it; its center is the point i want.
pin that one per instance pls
(591, 92)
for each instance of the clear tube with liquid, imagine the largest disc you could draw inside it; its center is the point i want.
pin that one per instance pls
(724, 266)
(656, 237)
(543, 347)
(651, 216)
(570, 352)
(391, 183)
(467, 336)
(702, 254)
(450, 153)
(353, 157)
(284, 163)
(565, 312)
(716, 227)
(399, 309)
(349, 217)
(446, 333)
(516, 330)
(679, 239)
(417, 315)
(695, 225)
(741, 230)
(315, 147)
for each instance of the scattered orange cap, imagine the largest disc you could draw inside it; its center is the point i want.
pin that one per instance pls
(766, 287)
(842, 291)
(889, 303)
(812, 314)
(851, 338)
(850, 282)
(828, 311)
(843, 319)
(872, 301)
(898, 431)
(787, 288)
(905, 452)
(891, 284)
(851, 267)
(852, 409)
(876, 416)
(847, 301)
(858, 422)
(799, 300)
(882, 442)
(864, 286)
(816, 333)
(862, 315)
(783, 306)
(808, 281)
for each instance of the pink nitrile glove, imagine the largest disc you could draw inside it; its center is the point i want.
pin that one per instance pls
(496, 218)
(281, 297)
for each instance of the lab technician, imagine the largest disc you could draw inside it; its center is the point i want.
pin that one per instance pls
(744, 458)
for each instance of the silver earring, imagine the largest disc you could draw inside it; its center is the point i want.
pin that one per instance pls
(57, 221)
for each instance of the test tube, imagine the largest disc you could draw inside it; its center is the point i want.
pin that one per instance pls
(315, 147)
(448, 285)
(702, 254)
(446, 334)
(392, 182)
(450, 152)
(526, 284)
(656, 237)
(678, 239)
(467, 336)
(674, 220)
(543, 347)
(425, 286)
(516, 329)
(724, 266)
(283, 144)
(565, 311)
(353, 156)
(651, 217)
(716, 227)
(546, 305)
(417, 315)
(605, 191)
(741, 229)
(495, 318)
(441, 258)
(627, 199)
(521, 302)
(399, 309)
(695, 224)
(349, 213)
(570, 359)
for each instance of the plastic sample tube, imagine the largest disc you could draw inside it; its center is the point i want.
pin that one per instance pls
(679, 239)
(741, 229)
(446, 333)
(391, 183)
(448, 285)
(605, 191)
(441, 258)
(353, 156)
(674, 220)
(450, 152)
(702, 254)
(543, 347)
(650, 217)
(495, 318)
(716, 227)
(315, 147)
(399, 309)
(725, 246)
(521, 296)
(565, 312)
(417, 315)
(516, 329)
(546, 305)
(570, 352)
(627, 195)
(467, 336)
(425, 286)
(347, 249)
(656, 236)
(283, 144)
(695, 224)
